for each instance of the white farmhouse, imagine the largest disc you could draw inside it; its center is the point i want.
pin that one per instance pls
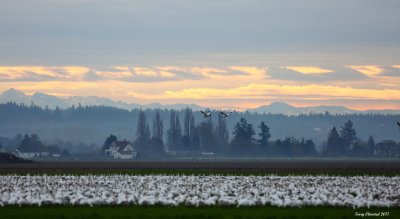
(121, 150)
(26, 154)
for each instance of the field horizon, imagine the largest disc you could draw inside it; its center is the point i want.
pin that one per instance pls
(329, 166)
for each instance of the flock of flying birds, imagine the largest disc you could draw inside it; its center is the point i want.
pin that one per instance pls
(207, 113)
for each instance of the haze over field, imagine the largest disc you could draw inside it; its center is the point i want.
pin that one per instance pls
(220, 54)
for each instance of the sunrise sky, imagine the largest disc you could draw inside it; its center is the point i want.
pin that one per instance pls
(217, 53)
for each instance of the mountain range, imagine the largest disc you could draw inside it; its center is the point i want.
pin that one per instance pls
(43, 100)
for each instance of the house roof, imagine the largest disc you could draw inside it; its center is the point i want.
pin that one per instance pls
(121, 144)
(27, 151)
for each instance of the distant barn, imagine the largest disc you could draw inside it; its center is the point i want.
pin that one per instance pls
(121, 150)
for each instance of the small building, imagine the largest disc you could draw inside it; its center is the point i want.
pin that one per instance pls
(26, 154)
(121, 150)
(56, 155)
(44, 153)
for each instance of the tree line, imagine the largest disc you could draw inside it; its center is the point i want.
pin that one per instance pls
(346, 143)
(89, 124)
(209, 137)
(186, 131)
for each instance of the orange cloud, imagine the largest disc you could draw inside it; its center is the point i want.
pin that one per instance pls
(220, 73)
(208, 85)
(22, 72)
(270, 90)
(144, 72)
(368, 70)
(253, 71)
(115, 75)
(308, 69)
(122, 68)
(166, 74)
(75, 71)
(208, 72)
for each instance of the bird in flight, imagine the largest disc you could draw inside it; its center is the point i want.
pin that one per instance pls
(226, 114)
(206, 113)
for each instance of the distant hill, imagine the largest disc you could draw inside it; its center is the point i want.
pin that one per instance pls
(13, 95)
(43, 100)
(286, 109)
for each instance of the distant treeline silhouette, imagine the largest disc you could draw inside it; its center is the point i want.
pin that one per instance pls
(206, 137)
(181, 131)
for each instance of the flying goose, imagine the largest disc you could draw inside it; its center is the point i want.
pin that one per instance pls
(206, 113)
(226, 114)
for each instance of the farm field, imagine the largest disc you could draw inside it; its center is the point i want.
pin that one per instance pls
(342, 167)
(158, 212)
(197, 189)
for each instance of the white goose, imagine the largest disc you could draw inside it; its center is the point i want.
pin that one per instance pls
(226, 114)
(206, 113)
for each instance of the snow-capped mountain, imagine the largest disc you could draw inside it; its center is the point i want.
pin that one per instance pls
(13, 95)
(286, 109)
(43, 100)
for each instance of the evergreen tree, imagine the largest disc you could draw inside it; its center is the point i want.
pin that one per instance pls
(30, 144)
(109, 141)
(264, 134)
(388, 148)
(207, 140)
(175, 132)
(222, 134)
(158, 126)
(156, 144)
(194, 138)
(57, 114)
(243, 141)
(348, 134)
(334, 144)
(359, 148)
(142, 133)
(371, 146)
(25, 144)
(156, 147)
(17, 139)
(289, 147)
(309, 148)
(189, 129)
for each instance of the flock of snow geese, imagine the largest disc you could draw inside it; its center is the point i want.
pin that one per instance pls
(212, 190)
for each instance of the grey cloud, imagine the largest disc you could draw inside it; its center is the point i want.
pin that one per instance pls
(338, 74)
(91, 76)
(34, 76)
(391, 72)
(83, 32)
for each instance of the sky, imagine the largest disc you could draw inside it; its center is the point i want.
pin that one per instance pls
(218, 53)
